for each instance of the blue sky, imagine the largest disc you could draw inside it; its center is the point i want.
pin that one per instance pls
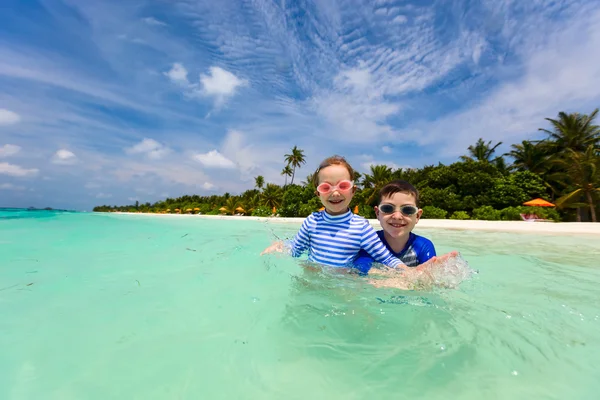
(108, 102)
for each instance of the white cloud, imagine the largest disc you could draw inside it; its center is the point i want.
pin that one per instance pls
(246, 156)
(400, 19)
(178, 74)
(10, 186)
(153, 21)
(208, 185)
(555, 79)
(386, 149)
(64, 157)
(367, 164)
(9, 150)
(220, 84)
(358, 79)
(133, 199)
(8, 117)
(478, 49)
(103, 195)
(15, 170)
(356, 118)
(150, 147)
(214, 159)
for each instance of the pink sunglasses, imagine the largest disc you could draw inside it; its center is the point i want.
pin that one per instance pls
(343, 186)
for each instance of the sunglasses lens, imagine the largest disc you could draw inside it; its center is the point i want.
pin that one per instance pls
(409, 210)
(386, 208)
(406, 210)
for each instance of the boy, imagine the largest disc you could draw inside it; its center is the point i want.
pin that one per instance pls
(398, 213)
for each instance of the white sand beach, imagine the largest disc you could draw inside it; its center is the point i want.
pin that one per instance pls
(551, 228)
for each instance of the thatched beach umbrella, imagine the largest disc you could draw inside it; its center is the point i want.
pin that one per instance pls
(223, 209)
(196, 209)
(240, 209)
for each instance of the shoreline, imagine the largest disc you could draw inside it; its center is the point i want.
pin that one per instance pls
(551, 228)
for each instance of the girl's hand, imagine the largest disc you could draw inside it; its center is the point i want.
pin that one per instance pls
(277, 246)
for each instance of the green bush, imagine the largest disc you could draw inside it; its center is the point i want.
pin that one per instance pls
(214, 212)
(262, 211)
(460, 215)
(487, 213)
(289, 210)
(310, 207)
(366, 211)
(431, 212)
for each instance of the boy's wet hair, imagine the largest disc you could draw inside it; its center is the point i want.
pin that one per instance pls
(398, 186)
(333, 160)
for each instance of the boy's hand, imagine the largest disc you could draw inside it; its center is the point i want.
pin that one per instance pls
(434, 260)
(277, 246)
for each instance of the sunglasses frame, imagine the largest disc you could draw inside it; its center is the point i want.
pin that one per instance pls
(333, 187)
(400, 209)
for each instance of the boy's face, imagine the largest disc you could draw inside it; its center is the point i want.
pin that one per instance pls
(336, 202)
(397, 224)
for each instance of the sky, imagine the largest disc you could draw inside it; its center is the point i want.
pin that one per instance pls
(112, 102)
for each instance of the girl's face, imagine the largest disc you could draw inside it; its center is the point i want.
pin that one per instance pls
(336, 202)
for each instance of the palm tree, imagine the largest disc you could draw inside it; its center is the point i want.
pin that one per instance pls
(259, 182)
(582, 176)
(380, 175)
(308, 180)
(250, 203)
(481, 151)
(573, 131)
(357, 177)
(530, 156)
(231, 204)
(271, 196)
(295, 159)
(287, 171)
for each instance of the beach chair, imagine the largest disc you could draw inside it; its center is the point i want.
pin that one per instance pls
(532, 218)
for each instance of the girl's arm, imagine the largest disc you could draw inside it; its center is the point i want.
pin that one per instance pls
(375, 247)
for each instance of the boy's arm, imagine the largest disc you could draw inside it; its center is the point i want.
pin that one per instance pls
(363, 262)
(426, 250)
(375, 247)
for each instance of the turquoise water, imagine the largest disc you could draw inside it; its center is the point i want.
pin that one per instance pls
(98, 306)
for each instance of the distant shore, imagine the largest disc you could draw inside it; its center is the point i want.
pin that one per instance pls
(552, 228)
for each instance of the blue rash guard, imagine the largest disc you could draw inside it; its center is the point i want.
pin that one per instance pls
(416, 251)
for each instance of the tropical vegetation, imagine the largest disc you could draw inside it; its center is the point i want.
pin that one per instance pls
(563, 167)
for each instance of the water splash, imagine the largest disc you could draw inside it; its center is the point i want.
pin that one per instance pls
(451, 272)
